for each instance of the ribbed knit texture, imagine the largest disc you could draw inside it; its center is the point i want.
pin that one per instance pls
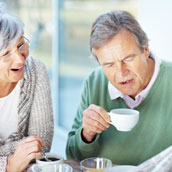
(151, 135)
(35, 115)
(3, 163)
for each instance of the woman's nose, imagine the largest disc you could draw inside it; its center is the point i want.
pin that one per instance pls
(18, 57)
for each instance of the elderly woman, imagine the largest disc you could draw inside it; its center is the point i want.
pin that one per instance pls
(26, 119)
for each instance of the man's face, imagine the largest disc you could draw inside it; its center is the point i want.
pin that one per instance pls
(124, 63)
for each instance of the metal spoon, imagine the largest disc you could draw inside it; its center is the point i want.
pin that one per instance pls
(43, 152)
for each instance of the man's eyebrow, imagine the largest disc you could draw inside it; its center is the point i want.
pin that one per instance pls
(130, 55)
(107, 63)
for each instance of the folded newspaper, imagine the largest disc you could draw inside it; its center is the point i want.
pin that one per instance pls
(161, 162)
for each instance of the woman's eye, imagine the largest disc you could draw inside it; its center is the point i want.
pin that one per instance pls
(20, 45)
(6, 54)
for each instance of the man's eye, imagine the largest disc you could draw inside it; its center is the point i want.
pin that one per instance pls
(109, 64)
(128, 59)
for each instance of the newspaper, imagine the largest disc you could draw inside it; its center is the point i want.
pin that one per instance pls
(161, 162)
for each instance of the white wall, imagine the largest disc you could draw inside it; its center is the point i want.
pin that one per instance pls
(155, 16)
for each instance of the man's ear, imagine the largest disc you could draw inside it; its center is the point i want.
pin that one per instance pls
(94, 55)
(146, 51)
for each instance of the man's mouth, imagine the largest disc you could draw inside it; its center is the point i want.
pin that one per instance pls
(127, 82)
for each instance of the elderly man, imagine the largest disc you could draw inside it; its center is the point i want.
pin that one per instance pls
(128, 77)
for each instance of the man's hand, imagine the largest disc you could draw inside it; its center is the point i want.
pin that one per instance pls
(95, 120)
(27, 150)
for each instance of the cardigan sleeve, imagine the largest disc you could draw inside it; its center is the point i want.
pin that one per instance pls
(41, 116)
(3, 163)
(9, 148)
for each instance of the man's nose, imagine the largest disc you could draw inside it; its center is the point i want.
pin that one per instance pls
(121, 70)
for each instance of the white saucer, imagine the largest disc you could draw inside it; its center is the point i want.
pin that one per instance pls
(33, 168)
(121, 168)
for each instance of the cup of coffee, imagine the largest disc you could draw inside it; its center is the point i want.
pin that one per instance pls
(124, 119)
(49, 166)
(95, 164)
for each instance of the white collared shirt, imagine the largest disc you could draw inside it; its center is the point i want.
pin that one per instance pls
(115, 93)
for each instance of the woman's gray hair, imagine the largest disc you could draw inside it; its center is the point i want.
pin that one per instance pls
(11, 28)
(108, 25)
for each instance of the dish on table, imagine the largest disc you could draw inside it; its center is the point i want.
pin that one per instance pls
(33, 168)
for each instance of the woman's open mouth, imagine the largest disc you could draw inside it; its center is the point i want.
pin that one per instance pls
(17, 69)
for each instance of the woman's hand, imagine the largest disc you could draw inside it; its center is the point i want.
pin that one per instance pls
(27, 150)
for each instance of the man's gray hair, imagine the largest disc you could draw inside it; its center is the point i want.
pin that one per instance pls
(108, 25)
(11, 28)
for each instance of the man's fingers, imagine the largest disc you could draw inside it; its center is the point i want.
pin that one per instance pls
(93, 129)
(101, 111)
(94, 122)
(96, 117)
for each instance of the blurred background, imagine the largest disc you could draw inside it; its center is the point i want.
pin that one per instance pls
(59, 34)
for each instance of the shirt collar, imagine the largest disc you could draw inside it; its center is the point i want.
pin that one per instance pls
(115, 93)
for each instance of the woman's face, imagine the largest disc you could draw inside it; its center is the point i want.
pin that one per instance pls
(12, 61)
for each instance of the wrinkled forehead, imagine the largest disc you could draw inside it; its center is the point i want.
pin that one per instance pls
(119, 40)
(120, 46)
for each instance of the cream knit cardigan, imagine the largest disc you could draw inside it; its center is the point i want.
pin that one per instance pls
(35, 115)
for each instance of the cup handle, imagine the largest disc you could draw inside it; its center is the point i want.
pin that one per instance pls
(110, 118)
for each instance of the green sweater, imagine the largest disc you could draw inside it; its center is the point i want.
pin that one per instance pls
(152, 134)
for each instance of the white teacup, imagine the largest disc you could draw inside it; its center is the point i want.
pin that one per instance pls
(124, 119)
(57, 168)
(49, 166)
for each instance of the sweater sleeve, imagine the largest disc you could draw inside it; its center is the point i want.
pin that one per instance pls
(3, 163)
(41, 116)
(8, 148)
(76, 148)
